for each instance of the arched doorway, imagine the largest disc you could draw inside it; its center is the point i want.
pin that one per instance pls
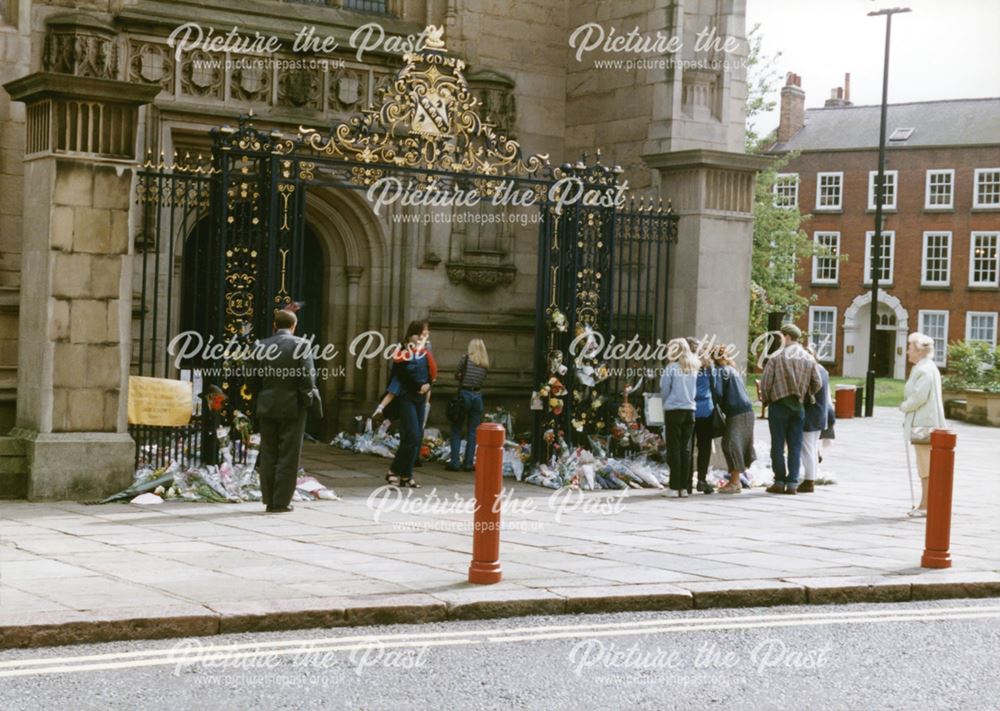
(362, 282)
(196, 271)
(892, 326)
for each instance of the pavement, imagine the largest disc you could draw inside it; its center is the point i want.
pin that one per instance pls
(73, 573)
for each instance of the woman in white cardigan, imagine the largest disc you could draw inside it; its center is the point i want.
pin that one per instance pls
(922, 403)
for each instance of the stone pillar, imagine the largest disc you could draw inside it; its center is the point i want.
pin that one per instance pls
(75, 317)
(353, 273)
(709, 277)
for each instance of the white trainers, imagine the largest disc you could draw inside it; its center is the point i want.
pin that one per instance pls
(917, 513)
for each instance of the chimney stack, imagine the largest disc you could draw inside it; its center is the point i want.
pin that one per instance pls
(841, 96)
(793, 108)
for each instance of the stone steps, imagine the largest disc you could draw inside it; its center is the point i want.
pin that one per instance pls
(13, 469)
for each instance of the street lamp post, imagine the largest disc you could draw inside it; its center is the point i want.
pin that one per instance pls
(876, 256)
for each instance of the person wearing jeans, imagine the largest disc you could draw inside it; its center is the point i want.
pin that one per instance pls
(678, 388)
(785, 422)
(471, 375)
(704, 408)
(409, 368)
(790, 381)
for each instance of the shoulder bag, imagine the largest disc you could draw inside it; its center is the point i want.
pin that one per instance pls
(457, 410)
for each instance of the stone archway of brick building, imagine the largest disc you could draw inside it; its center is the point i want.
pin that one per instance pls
(893, 319)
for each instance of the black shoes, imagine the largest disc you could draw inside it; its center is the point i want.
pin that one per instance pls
(705, 488)
(777, 488)
(279, 509)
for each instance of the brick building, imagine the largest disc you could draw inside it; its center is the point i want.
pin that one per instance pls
(941, 225)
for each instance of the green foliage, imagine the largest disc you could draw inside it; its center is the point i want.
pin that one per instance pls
(781, 249)
(762, 76)
(973, 365)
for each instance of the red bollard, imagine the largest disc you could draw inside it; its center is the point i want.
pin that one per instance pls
(485, 566)
(938, 537)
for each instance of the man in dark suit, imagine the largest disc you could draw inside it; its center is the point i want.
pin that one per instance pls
(287, 391)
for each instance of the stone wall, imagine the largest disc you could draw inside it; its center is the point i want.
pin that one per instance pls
(608, 106)
(81, 364)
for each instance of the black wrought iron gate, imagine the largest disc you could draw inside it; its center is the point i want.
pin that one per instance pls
(601, 308)
(240, 218)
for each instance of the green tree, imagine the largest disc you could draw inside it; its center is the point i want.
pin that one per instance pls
(781, 248)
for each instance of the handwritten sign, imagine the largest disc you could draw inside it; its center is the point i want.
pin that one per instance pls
(159, 401)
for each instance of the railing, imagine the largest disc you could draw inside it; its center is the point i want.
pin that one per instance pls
(159, 446)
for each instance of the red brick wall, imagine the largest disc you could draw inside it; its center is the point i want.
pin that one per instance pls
(909, 221)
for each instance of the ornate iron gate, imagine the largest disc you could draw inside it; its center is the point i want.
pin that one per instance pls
(602, 282)
(242, 219)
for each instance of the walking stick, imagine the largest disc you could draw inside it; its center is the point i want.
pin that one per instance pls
(909, 469)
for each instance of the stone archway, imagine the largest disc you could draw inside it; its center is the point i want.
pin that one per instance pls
(856, 333)
(355, 253)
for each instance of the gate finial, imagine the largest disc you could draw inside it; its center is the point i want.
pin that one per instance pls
(435, 38)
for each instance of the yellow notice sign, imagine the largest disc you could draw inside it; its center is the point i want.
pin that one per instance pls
(158, 401)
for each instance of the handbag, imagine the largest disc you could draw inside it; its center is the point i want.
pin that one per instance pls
(457, 409)
(920, 435)
(315, 404)
(718, 422)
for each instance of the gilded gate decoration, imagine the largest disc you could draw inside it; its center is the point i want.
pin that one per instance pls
(247, 207)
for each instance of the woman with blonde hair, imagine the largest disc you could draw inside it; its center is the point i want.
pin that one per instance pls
(922, 403)
(737, 439)
(471, 374)
(678, 389)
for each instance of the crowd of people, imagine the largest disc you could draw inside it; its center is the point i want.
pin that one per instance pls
(704, 398)
(703, 394)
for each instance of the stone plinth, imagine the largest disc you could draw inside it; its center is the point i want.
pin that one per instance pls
(74, 332)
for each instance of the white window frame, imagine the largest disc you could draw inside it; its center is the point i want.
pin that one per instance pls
(950, 172)
(840, 191)
(832, 357)
(968, 325)
(835, 257)
(940, 354)
(923, 259)
(975, 188)
(869, 239)
(872, 174)
(972, 258)
(795, 192)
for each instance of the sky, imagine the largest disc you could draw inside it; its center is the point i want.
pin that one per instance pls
(943, 49)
